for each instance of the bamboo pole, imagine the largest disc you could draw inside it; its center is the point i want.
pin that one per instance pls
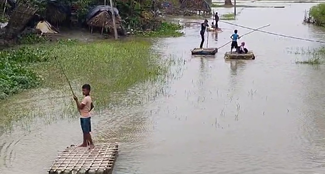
(4, 8)
(113, 17)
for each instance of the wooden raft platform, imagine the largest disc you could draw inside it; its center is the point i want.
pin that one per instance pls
(234, 55)
(81, 160)
(204, 51)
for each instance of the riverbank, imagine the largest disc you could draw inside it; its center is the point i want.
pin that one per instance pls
(111, 67)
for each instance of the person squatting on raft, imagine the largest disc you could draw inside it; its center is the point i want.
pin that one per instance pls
(242, 49)
(212, 25)
(84, 107)
(204, 25)
(234, 43)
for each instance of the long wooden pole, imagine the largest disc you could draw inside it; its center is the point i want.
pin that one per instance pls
(246, 34)
(113, 17)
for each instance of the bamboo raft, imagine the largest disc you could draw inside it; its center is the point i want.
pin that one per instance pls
(204, 51)
(81, 160)
(234, 55)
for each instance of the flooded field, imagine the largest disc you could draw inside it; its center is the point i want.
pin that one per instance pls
(210, 116)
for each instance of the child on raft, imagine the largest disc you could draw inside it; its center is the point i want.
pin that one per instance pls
(242, 49)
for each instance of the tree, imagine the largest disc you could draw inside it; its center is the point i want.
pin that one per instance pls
(228, 2)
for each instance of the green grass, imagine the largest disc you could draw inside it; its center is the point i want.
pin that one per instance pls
(14, 73)
(228, 16)
(110, 67)
(167, 29)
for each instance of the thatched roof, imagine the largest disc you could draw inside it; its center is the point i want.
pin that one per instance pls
(103, 19)
(100, 8)
(195, 5)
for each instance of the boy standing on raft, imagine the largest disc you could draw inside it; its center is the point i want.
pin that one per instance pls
(203, 28)
(84, 107)
(234, 43)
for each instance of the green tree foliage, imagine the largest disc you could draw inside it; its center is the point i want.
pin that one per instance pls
(318, 14)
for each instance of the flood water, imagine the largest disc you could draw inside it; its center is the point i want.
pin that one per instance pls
(211, 116)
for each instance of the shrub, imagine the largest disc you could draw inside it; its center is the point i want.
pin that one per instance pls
(318, 14)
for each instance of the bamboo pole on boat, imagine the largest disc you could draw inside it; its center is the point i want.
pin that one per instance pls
(246, 34)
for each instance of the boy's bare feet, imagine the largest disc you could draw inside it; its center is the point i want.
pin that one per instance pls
(83, 145)
(91, 146)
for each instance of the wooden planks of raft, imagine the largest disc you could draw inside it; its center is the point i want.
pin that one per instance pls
(234, 55)
(81, 160)
(204, 51)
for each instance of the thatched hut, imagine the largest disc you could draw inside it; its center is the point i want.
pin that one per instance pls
(57, 12)
(101, 17)
(196, 5)
(21, 15)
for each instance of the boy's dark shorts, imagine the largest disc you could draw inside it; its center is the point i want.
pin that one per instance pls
(85, 125)
(234, 44)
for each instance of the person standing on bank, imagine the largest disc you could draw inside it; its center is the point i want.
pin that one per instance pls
(216, 18)
(84, 107)
(204, 26)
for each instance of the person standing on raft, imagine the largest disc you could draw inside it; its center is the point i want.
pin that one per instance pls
(234, 43)
(84, 107)
(204, 25)
(216, 18)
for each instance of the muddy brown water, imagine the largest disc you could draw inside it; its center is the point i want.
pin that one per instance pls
(211, 116)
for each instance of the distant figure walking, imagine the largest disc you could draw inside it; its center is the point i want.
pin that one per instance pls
(216, 18)
(84, 107)
(204, 26)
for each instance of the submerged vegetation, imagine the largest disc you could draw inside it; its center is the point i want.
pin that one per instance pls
(316, 55)
(228, 16)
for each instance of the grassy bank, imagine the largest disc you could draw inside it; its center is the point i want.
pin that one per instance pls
(111, 67)
(167, 29)
(15, 76)
(108, 65)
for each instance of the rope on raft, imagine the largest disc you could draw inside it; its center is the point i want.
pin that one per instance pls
(276, 34)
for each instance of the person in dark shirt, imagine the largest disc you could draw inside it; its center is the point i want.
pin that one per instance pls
(204, 25)
(216, 18)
